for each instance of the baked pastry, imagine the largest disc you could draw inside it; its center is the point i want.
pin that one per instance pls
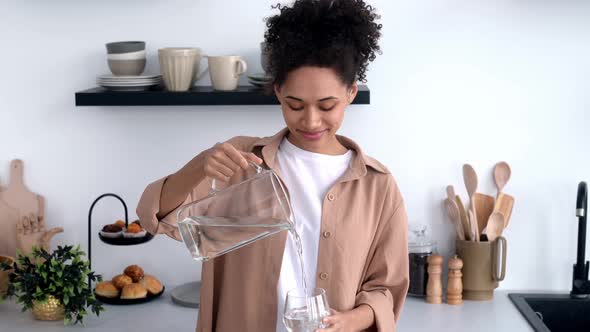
(133, 291)
(112, 228)
(112, 231)
(107, 289)
(135, 272)
(134, 228)
(120, 223)
(134, 231)
(152, 284)
(121, 281)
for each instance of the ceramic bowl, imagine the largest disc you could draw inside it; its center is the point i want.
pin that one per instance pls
(125, 47)
(127, 67)
(127, 56)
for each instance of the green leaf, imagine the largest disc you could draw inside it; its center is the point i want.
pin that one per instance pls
(62, 273)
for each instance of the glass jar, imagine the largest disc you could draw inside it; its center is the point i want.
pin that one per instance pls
(420, 248)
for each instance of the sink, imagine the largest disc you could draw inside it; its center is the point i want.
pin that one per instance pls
(553, 312)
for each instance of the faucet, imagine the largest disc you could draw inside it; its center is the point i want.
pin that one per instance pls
(580, 283)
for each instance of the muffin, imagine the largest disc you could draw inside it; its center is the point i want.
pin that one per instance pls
(133, 291)
(152, 284)
(121, 281)
(107, 289)
(134, 230)
(112, 231)
(134, 272)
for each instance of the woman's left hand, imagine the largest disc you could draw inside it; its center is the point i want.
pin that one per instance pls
(347, 321)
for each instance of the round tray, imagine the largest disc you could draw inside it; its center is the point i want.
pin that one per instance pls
(119, 301)
(187, 295)
(126, 241)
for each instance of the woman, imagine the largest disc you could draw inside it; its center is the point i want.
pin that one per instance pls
(348, 209)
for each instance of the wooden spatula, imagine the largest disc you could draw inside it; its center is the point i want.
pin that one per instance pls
(473, 226)
(504, 205)
(484, 206)
(470, 179)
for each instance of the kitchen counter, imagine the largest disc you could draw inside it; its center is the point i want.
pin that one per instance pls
(498, 314)
(162, 314)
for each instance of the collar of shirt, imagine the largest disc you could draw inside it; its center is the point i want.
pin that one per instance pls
(358, 165)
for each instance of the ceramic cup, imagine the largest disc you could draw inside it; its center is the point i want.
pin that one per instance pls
(126, 58)
(4, 275)
(225, 71)
(481, 274)
(180, 67)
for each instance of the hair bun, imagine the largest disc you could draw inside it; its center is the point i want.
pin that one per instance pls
(340, 34)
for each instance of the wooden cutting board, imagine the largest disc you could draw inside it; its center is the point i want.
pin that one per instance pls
(17, 197)
(8, 218)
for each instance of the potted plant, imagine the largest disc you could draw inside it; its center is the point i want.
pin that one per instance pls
(54, 285)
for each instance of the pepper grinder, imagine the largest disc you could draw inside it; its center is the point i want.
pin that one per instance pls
(434, 286)
(454, 281)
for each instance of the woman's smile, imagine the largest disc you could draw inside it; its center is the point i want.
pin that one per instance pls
(312, 135)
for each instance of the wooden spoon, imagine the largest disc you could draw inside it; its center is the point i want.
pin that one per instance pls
(462, 212)
(502, 174)
(451, 192)
(470, 179)
(464, 218)
(453, 211)
(473, 226)
(495, 226)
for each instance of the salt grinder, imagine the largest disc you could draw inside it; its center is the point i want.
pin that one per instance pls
(434, 287)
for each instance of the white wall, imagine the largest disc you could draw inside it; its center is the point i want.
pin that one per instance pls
(458, 81)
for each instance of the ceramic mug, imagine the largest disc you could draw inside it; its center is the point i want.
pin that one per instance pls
(225, 71)
(180, 67)
(4, 275)
(480, 267)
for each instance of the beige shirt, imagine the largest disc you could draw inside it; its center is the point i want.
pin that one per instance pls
(363, 251)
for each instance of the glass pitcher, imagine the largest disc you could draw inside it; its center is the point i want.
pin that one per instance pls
(255, 207)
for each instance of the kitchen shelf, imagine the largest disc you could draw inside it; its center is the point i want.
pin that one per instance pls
(200, 95)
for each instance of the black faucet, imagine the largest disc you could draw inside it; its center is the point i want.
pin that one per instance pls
(580, 283)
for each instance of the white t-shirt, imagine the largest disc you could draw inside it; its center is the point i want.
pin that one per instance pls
(308, 176)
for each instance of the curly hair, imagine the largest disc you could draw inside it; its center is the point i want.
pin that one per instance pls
(337, 34)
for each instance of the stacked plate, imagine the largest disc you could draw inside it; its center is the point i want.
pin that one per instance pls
(259, 80)
(128, 83)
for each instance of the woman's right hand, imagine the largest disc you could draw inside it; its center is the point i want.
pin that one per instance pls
(223, 160)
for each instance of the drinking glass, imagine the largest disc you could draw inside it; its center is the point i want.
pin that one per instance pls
(304, 312)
